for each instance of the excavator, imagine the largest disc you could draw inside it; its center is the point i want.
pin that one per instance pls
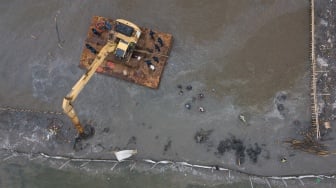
(123, 36)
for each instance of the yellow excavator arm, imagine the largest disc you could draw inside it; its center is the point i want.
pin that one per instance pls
(77, 88)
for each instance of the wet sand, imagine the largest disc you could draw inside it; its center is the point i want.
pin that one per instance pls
(242, 55)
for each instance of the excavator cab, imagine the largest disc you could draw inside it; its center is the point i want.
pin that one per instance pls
(128, 35)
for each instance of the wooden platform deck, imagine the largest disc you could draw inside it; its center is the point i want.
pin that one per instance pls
(135, 70)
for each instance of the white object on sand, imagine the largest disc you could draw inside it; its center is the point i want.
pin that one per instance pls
(124, 154)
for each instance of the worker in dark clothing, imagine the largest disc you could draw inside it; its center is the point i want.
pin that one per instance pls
(157, 47)
(150, 64)
(160, 41)
(94, 31)
(151, 33)
(156, 59)
(108, 25)
(88, 46)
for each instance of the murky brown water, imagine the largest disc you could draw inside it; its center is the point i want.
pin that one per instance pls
(239, 53)
(272, 59)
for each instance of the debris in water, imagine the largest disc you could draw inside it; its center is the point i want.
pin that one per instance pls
(253, 153)
(33, 37)
(189, 87)
(309, 143)
(280, 107)
(283, 160)
(233, 144)
(181, 92)
(242, 118)
(202, 135)
(106, 130)
(187, 106)
(124, 154)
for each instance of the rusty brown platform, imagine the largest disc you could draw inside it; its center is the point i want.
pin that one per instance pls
(135, 70)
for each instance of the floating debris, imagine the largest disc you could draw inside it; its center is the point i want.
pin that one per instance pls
(189, 87)
(200, 95)
(309, 143)
(33, 37)
(253, 153)
(124, 154)
(283, 160)
(280, 107)
(181, 92)
(242, 118)
(202, 135)
(55, 126)
(187, 106)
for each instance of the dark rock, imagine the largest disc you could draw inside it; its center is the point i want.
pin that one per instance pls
(189, 87)
(253, 153)
(233, 144)
(181, 92)
(202, 135)
(106, 130)
(280, 107)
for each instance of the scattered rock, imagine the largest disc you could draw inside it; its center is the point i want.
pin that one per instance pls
(180, 92)
(201, 109)
(106, 130)
(280, 107)
(200, 95)
(79, 145)
(189, 87)
(233, 144)
(179, 86)
(253, 153)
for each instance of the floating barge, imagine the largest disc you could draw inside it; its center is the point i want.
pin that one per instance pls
(153, 46)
